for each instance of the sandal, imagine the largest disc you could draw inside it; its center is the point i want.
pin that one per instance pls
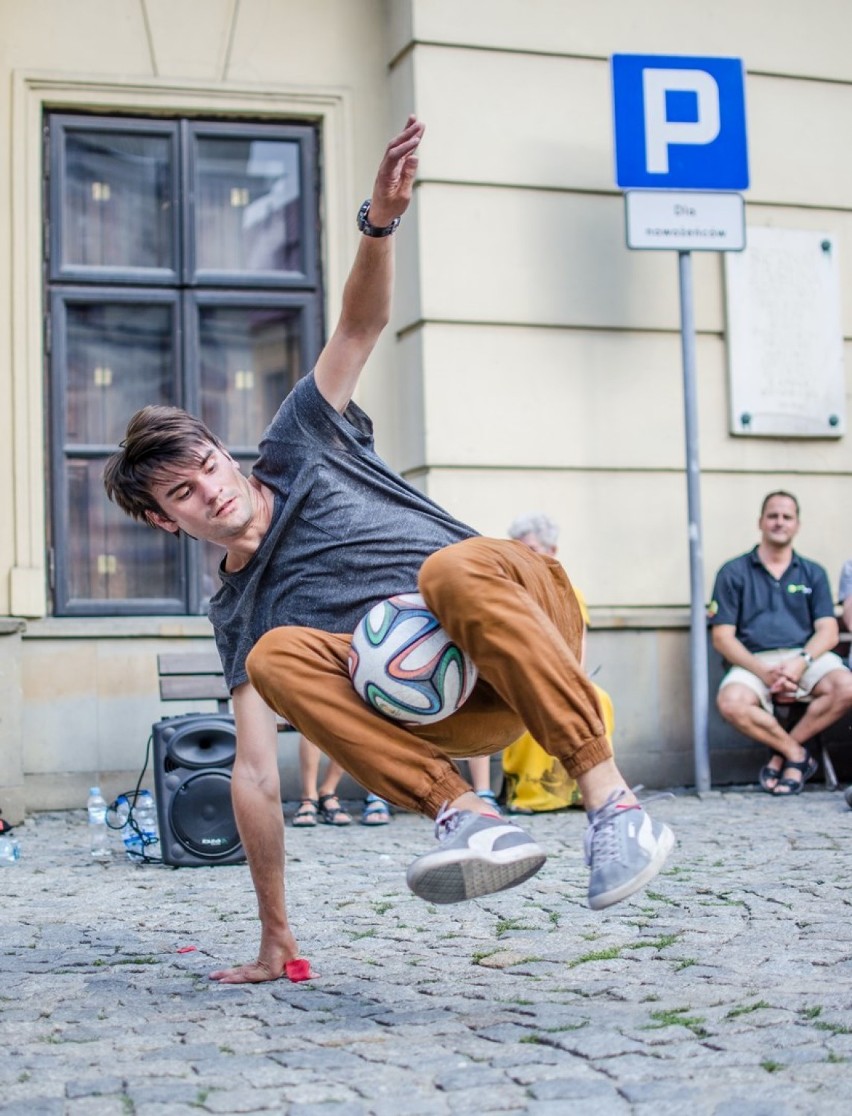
(376, 811)
(332, 815)
(769, 776)
(807, 768)
(306, 816)
(490, 799)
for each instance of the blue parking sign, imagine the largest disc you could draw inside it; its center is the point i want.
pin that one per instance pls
(680, 122)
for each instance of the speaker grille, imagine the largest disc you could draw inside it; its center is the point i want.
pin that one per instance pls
(201, 815)
(204, 743)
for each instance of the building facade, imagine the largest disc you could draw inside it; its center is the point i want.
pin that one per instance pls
(179, 186)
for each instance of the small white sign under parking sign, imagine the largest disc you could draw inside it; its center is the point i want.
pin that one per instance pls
(685, 221)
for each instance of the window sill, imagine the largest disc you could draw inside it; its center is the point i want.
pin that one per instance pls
(119, 627)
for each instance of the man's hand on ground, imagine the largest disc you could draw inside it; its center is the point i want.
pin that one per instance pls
(270, 964)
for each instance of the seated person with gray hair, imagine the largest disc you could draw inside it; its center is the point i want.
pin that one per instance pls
(536, 781)
(537, 531)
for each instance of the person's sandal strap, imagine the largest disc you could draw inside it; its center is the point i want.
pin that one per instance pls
(306, 815)
(332, 815)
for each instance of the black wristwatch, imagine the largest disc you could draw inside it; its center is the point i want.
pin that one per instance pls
(808, 658)
(367, 229)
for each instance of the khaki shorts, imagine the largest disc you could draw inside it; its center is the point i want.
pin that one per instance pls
(818, 669)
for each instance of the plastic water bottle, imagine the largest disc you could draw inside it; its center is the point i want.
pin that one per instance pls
(10, 850)
(146, 819)
(98, 832)
(129, 835)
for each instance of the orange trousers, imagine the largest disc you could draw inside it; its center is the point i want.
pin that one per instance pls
(514, 612)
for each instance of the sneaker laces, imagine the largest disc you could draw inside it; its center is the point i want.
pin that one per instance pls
(447, 821)
(601, 833)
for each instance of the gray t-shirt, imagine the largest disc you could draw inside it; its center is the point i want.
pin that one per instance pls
(346, 531)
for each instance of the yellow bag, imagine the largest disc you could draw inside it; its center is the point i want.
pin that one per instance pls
(536, 781)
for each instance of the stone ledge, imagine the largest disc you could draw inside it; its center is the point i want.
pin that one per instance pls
(11, 625)
(119, 627)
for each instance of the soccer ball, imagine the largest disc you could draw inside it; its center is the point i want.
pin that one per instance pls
(404, 665)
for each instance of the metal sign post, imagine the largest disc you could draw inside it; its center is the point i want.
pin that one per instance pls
(680, 126)
(698, 614)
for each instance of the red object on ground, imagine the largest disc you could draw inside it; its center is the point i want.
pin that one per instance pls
(299, 969)
(187, 949)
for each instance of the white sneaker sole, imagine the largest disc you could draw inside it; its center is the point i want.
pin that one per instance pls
(665, 844)
(458, 874)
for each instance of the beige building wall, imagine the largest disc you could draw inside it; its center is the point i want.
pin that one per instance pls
(549, 355)
(533, 360)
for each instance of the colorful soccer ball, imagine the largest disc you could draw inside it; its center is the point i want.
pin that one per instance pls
(404, 665)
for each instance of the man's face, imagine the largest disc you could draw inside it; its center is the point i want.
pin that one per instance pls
(779, 523)
(210, 501)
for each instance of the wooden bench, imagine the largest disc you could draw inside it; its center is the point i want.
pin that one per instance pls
(197, 676)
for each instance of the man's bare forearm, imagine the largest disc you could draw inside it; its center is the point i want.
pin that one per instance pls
(261, 824)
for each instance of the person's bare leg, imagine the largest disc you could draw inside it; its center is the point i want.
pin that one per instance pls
(740, 706)
(331, 778)
(329, 803)
(831, 697)
(480, 772)
(309, 761)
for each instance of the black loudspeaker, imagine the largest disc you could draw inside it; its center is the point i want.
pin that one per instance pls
(193, 758)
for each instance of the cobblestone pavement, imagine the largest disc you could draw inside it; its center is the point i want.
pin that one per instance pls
(725, 988)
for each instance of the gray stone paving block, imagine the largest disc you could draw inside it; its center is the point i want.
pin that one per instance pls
(579, 1107)
(351, 1108)
(470, 1077)
(97, 1106)
(175, 1092)
(189, 1052)
(92, 1087)
(232, 1102)
(433, 1104)
(745, 1106)
(595, 1042)
(602, 1092)
(34, 1106)
(551, 1064)
(325, 1060)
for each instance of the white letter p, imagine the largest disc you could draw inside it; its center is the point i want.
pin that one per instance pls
(661, 132)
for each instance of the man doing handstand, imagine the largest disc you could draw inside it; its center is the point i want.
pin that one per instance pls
(319, 532)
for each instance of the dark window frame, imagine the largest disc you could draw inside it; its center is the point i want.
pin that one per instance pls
(187, 290)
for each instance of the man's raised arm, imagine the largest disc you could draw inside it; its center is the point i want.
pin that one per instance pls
(367, 295)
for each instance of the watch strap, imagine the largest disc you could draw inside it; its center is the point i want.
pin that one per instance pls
(368, 229)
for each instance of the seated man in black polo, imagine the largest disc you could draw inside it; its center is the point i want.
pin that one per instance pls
(773, 622)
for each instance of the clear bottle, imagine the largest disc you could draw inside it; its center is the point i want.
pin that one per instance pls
(146, 817)
(10, 849)
(98, 832)
(129, 835)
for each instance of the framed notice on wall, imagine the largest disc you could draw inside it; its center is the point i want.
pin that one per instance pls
(784, 334)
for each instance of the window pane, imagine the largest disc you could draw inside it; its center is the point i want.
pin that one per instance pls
(248, 205)
(111, 557)
(120, 357)
(117, 200)
(250, 357)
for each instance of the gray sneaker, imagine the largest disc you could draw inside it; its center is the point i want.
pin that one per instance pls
(477, 855)
(625, 849)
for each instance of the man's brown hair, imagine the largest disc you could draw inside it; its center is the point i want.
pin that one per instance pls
(159, 441)
(779, 492)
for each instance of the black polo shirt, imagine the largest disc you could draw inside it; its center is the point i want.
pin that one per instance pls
(766, 612)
